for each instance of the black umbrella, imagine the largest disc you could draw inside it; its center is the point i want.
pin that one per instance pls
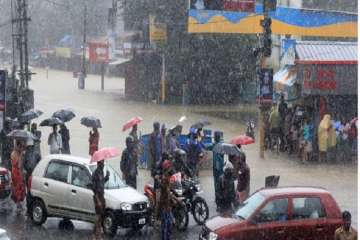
(200, 124)
(227, 148)
(21, 134)
(91, 122)
(29, 115)
(64, 115)
(51, 122)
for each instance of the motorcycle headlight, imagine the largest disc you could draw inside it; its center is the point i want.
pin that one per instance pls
(213, 236)
(198, 187)
(125, 206)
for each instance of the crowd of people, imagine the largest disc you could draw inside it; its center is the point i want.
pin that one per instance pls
(292, 129)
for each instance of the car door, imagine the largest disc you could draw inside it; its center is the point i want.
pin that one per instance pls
(270, 221)
(308, 220)
(55, 187)
(80, 193)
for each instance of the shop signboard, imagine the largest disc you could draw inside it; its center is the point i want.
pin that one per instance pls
(98, 52)
(265, 88)
(157, 31)
(224, 5)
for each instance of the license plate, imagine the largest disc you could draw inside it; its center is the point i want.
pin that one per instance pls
(142, 221)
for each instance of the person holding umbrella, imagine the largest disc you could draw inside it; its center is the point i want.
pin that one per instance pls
(93, 141)
(218, 162)
(65, 137)
(98, 186)
(37, 141)
(55, 141)
(98, 181)
(6, 144)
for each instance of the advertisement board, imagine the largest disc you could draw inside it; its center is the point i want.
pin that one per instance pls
(98, 52)
(265, 88)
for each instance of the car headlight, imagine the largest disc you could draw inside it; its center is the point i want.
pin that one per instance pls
(126, 206)
(213, 236)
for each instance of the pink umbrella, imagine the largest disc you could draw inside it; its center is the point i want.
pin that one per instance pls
(242, 140)
(104, 153)
(131, 123)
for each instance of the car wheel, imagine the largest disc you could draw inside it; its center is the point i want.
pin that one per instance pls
(109, 224)
(38, 212)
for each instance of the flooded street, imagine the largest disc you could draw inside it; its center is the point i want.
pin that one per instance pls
(60, 91)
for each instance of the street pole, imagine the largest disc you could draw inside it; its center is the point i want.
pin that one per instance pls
(84, 48)
(102, 75)
(26, 53)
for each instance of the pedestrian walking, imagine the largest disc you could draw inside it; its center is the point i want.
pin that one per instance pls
(346, 232)
(65, 137)
(98, 187)
(243, 184)
(17, 177)
(55, 141)
(163, 139)
(326, 137)
(37, 140)
(194, 153)
(7, 144)
(30, 162)
(282, 109)
(226, 197)
(155, 146)
(274, 128)
(128, 163)
(93, 141)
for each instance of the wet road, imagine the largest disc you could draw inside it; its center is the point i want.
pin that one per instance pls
(60, 90)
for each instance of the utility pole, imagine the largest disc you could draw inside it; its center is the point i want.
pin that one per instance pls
(81, 83)
(26, 51)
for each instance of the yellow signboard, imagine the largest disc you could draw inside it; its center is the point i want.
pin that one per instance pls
(157, 30)
(63, 52)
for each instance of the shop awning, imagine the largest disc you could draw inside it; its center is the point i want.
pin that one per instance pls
(284, 82)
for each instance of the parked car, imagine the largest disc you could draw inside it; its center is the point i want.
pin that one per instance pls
(60, 186)
(5, 184)
(3, 235)
(279, 213)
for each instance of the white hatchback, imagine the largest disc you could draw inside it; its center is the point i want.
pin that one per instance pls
(61, 187)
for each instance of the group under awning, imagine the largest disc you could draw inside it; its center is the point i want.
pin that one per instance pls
(284, 83)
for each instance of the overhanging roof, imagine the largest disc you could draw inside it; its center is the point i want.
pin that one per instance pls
(324, 52)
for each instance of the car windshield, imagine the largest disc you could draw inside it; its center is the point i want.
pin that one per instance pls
(115, 181)
(250, 205)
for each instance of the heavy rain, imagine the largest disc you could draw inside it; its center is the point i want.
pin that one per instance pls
(182, 119)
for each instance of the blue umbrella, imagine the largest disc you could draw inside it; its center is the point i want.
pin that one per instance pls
(51, 122)
(64, 115)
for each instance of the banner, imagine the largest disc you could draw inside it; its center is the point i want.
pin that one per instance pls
(157, 31)
(265, 88)
(63, 52)
(224, 5)
(98, 52)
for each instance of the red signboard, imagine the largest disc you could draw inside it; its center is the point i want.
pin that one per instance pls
(324, 80)
(98, 52)
(239, 5)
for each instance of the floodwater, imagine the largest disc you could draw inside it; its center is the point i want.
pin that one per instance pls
(59, 90)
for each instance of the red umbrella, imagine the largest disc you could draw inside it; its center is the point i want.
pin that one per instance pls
(242, 140)
(104, 153)
(131, 123)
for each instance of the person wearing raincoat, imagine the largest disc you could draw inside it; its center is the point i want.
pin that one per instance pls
(93, 141)
(128, 163)
(218, 163)
(65, 137)
(226, 196)
(326, 136)
(274, 123)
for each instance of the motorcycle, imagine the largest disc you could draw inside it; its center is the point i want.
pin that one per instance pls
(250, 129)
(179, 211)
(190, 189)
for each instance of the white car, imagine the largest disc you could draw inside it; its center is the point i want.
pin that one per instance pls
(61, 187)
(3, 235)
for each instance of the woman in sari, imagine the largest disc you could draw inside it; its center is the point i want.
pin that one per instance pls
(93, 141)
(17, 177)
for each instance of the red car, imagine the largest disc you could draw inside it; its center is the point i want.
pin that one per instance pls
(5, 188)
(282, 213)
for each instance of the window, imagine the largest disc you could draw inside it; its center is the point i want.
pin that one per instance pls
(57, 171)
(307, 208)
(275, 210)
(114, 182)
(250, 205)
(80, 177)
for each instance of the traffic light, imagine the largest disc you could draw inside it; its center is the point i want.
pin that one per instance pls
(266, 39)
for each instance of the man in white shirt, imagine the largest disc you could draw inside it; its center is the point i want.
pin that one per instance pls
(55, 141)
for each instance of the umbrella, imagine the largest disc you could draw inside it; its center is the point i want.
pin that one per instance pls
(51, 122)
(21, 134)
(227, 148)
(242, 140)
(91, 122)
(29, 115)
(131, 123)
(64, 115)
(200, 124)
(104, 153)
